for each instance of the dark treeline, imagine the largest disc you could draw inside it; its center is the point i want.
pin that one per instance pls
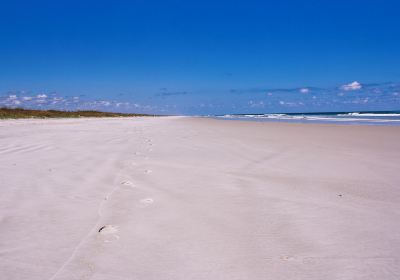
(18, 113)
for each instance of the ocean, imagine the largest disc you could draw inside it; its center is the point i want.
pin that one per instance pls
(363, 118)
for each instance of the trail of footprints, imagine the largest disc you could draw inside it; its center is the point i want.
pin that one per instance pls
(109, 232)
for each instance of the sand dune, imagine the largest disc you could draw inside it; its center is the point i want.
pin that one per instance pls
(186, 198)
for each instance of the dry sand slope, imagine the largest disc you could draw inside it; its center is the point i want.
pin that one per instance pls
(182, 198)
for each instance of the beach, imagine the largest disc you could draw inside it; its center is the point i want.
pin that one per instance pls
(198, 198)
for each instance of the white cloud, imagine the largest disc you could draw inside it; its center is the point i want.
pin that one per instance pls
(304, 90)
(26, 98)
(41, 96)
(11, 102)
(12, 97)
(255, 104)
(290, 104)
(352, 86)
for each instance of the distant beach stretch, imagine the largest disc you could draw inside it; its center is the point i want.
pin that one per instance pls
(198, 198)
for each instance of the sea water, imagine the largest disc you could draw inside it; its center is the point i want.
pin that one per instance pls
(366, 118)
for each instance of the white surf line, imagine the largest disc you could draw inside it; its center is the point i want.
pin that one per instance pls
(93, 229)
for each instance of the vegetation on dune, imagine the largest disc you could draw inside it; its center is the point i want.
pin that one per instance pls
(19, 113)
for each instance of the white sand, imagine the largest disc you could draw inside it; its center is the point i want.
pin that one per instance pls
(182, 198)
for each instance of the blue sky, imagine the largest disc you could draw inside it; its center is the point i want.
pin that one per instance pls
(201, 57)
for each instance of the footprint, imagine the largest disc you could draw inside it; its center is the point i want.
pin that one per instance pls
(287, 258)
(108, 229)
(147, 201)
(127, 183)
(148, 171)
(108, 233)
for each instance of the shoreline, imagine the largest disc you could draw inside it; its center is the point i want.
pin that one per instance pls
(283, 122)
